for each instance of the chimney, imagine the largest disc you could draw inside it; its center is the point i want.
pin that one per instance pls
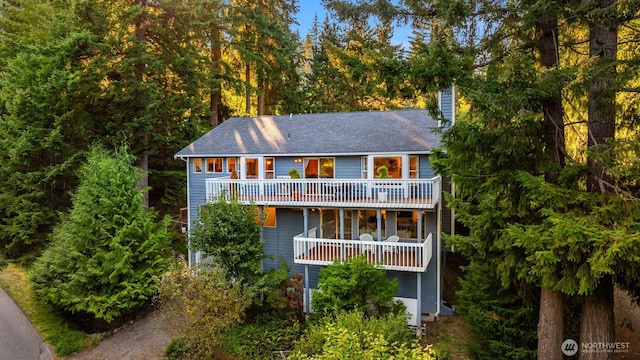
(447, 104)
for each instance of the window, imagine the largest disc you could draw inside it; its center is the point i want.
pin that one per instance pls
(214, 165)
(251, 166)
(413, 167)
(269, 166)
(407, 227)
(269, 217)
(231, 165)
(363, 166)
(393, 164)
(319, 168)
(368, 223)
(197, 165)
(330, 224)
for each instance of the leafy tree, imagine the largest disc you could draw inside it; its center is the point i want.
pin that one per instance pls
(202, 305)
(355, 284)
(108, 251)
(230, 233)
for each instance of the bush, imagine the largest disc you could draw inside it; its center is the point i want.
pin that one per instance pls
(264, 337)
(108, 252)
(351, 335)
(356, 285)
(229, 232)
(203, 307)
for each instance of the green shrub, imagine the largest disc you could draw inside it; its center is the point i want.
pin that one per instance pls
(108, 252)
(356, 285)
(229, 232)
(203, 306)
(351, 335)
(262, 338)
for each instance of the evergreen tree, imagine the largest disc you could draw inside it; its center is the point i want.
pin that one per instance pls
(44, 125)
(108, 252)
(545, 194)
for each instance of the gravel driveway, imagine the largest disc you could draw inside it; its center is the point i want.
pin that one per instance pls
(144, 339)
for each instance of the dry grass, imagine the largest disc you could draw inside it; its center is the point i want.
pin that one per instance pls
(15, 281)
(450, 333)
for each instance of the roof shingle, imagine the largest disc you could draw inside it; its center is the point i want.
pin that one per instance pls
(327, 133)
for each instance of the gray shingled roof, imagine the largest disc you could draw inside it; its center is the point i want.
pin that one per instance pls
(329, 133)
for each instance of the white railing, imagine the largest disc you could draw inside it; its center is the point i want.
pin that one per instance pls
(400, 256)
(390, 193)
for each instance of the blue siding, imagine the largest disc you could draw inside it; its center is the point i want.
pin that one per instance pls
(348, 167)
(286, 163)
(447, 105)
(424, 167)
(289, 222)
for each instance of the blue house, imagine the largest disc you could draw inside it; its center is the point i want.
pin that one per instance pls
(339, 207)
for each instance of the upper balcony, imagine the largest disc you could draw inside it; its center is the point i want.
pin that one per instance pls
(360, 193)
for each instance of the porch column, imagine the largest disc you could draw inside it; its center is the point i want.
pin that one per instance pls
(419, 275)
(379, 219)
(419, 299)
(307, 291)
(342, 247)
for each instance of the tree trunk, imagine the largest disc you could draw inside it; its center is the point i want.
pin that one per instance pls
(596, 325)
(247, 79)
(597, 322)
(552, 303)
(216, 95)
(603, 46)
(141, 36)
(551, 325)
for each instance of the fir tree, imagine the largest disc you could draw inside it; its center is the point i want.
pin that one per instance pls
(108, 252)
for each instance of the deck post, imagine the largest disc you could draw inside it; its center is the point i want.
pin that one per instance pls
(342, 247)
(307, 291)
(419, 299)
(379, 224)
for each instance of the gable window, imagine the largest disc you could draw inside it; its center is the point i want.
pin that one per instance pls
(393, 164)
(214, 165)
(413, 167)
(197, 165)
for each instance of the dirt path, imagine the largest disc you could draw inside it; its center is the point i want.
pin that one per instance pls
(144, 339)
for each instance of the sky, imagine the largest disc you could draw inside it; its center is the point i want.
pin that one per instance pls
(309, 8)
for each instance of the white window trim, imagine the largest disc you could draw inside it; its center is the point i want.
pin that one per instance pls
(206, 166)
(404, 158)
